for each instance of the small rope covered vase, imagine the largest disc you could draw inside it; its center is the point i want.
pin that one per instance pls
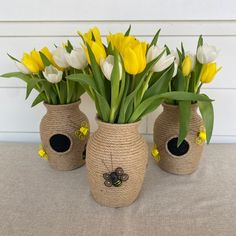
(185, 158)
(64, 132)
(116, 163)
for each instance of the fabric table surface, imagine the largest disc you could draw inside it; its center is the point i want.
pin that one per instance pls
(37, 200)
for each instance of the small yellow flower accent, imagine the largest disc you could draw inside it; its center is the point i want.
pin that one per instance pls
(155, 153)
(83, 131)
(201, 136)
(42, 153)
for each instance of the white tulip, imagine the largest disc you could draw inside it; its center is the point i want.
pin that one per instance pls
(175, 69)
(77, 58)
(107, 66)
(165, 60)
(22, 68)
(59, 57)
(207, 54)
(52, 74)
(176, 56)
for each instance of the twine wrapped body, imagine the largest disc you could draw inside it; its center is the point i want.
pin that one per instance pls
(64, 121)
(166, 127)
(112, 146)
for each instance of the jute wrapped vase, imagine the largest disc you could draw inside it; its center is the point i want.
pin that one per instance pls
(116, 163)
(185, 158)
(64, 132)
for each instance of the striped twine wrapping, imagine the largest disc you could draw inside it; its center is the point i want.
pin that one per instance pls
(166, 127)
(116, 145)
(64, 119)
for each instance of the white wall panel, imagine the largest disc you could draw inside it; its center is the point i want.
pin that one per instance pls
(117, 10)
(28, 24)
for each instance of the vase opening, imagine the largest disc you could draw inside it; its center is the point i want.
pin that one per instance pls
(175, 150)
(60, 143)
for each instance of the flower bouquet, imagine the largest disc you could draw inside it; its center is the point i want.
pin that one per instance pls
(64, 130)
(179, 132)
(126, 78)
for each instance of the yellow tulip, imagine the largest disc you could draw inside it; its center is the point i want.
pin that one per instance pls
(48, 54)
(30, 63)
(98, 51)
(93, 39)
(187, 66)
(37, 58)
(208, 72)
(93, 35)
(135, 58)
(132, 51)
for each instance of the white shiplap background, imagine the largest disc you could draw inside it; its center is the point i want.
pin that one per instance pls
(28, 24)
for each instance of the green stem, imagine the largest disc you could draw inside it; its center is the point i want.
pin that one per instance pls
(67, 88)
(59, 95)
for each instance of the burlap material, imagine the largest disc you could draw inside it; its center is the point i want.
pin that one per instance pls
(66, 120)
(167, 127)
(112, 146)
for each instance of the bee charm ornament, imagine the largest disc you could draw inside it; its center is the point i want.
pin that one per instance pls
(114, 178)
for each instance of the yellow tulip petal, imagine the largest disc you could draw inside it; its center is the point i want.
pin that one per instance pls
(98, 51)
(187, 66)
(31, 65)
(37, 58)
(141, 57)
(130, 61)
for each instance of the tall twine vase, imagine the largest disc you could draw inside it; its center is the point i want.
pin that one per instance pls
(178, 160)
(116, 163)
(64, 132)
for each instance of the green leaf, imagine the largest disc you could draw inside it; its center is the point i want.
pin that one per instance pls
(155, 100)
(181, 84)
(140, 77)
(182, 49)
(167, 50)
(44, 59)
(161, 85)
(121, 118)
(128, 31)
(88, 80)
(154, 41)
(184, 117)
(63, 91)
(98, 77)
(200, 41)
(40, 98)
(207, 112)
(20, 75)
(32, 84)
(115, 84)
(69, 46)
(13, 58)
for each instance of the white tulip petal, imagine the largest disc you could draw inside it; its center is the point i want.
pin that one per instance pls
(22, 68)
(52, 74)
(59, 57)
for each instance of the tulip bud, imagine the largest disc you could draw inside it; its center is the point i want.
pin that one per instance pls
(107, 66)
(52, 74)
(164, 62)
(208, 72)
(77, 58)
(22, 68)
(187, 66)
(30, 64)
(207, 54)
(59, 57)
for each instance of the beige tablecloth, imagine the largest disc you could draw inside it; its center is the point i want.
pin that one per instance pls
(37, 200)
